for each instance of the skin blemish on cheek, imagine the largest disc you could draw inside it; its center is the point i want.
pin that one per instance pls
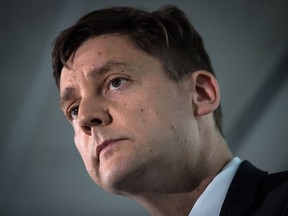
(99, 53)
(141, 110)
(70, 80)
(172, 128)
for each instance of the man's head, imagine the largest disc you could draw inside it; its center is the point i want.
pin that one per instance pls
(139, 91)
(165, 34)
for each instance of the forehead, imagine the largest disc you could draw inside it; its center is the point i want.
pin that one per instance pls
(97, 51)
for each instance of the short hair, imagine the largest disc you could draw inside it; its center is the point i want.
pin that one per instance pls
(165, 34)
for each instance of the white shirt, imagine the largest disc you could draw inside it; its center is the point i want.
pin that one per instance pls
(211, 200)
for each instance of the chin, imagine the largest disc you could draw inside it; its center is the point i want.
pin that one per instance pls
(121, 179)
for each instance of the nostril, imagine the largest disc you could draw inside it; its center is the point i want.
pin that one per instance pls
(86, 128)
(96, 122)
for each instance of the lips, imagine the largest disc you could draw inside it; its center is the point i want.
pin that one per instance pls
(105, 144)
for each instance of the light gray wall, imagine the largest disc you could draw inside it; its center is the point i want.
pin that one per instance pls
(40, 171)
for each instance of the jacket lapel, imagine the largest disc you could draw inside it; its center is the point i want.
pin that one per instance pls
(243, 190)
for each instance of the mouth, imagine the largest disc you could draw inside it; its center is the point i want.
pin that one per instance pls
(105, 144)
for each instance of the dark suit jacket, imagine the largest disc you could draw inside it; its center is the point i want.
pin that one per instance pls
(255, 192)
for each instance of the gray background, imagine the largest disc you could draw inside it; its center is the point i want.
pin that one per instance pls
(41, 172)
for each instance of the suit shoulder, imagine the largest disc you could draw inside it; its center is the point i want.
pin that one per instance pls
(272, 198)
(272, 181)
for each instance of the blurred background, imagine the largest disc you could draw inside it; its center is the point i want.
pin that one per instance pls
(41, 172)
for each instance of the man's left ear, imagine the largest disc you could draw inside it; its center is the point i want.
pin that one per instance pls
(206, 96)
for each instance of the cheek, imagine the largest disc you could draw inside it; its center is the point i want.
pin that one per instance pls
(85, 149)
(77, 138)
(82, 144)
(168, 115)
(146, 120)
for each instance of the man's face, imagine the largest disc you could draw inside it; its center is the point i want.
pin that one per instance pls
(133, 126)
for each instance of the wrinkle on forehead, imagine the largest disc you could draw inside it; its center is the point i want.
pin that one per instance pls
(99, 55)
(101, 49)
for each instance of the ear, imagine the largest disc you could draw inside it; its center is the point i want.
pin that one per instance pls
(206, 97)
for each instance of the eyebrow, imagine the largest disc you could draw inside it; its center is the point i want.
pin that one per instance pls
(70, 92)
(108, 66)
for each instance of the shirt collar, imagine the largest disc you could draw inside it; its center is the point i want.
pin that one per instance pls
(211, 200)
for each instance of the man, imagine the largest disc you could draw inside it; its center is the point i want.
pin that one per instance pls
(140, 92)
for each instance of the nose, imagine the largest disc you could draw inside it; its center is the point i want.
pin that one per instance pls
(92, 115)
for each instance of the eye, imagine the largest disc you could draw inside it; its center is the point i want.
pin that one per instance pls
(73, 113)
(116, 83)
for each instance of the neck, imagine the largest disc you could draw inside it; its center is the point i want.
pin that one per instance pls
(172, 204)
(179, 203)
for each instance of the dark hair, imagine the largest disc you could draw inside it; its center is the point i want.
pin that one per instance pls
(165, 34)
